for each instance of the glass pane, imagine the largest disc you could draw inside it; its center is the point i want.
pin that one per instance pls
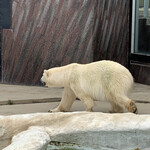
(142, 27)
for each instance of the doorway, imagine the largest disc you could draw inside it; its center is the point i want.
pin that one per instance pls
(140, 41)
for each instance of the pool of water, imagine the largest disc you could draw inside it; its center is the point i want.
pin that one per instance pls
(65, 146)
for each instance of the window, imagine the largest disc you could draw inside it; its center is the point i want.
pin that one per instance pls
(5, 14)
(141, 27)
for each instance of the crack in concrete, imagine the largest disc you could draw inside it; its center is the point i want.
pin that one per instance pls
(139, 101)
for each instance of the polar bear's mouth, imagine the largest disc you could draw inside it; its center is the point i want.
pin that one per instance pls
(43, 82)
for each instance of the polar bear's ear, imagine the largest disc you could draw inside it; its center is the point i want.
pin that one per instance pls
(46, 73)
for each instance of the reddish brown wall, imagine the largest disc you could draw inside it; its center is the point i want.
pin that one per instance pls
(112, 38)
(48, 33)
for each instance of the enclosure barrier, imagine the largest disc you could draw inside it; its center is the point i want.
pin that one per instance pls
(79, 130)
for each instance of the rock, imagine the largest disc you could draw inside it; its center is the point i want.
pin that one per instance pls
(35, 138)
(97, 131)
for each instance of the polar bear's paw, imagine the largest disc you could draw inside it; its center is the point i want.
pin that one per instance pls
(131, 107)
(50, 111)
(54, 110)
(57, 109)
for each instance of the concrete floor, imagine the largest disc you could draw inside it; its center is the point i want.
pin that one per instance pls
(33, 99)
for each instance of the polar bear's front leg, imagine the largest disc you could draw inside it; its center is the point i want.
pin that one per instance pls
(67, 100)
(87, 101)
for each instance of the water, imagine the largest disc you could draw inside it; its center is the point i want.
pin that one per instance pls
(65, 146)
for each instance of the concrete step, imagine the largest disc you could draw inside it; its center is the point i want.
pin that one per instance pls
(100, 106)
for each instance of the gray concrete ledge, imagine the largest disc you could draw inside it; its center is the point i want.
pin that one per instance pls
(95, 131)
(18, 94)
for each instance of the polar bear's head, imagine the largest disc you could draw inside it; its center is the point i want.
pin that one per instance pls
(51, 77)
(56, 77)
(45, 78)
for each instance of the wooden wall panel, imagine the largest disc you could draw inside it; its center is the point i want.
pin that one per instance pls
(112, 40)
(49, 33)
(45, 34)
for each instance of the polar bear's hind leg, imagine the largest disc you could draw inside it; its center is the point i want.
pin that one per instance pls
(116, 108)
(120, 101)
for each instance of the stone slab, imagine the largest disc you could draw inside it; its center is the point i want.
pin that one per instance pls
(100, 106)
(97, 131)
(18, 94)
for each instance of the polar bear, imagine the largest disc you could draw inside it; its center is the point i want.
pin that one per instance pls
(101, 80)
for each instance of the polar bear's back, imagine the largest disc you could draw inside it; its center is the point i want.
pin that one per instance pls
(102, 77)
(116, 77)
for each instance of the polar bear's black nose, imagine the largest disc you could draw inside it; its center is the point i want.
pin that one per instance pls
(42, 82)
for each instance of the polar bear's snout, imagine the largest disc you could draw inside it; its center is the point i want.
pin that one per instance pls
(43, 81)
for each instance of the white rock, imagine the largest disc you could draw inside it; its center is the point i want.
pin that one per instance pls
(34, 138)
(97, 131)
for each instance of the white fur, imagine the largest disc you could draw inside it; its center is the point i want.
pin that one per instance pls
(102, 80)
